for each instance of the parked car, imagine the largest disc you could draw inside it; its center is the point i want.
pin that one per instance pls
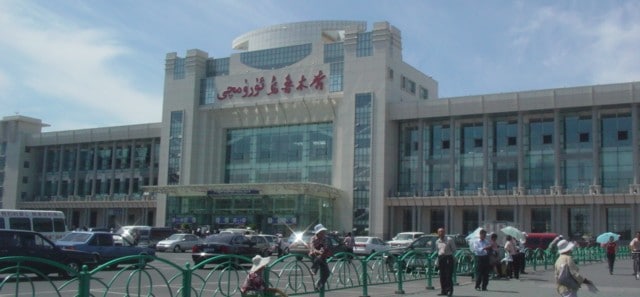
(178, 242)
(33, 244)
(105, 246)
(299, 243)
(262, 244)
(273, 242)
(403, 239)
(366, 245)
(224, 244)
(423, 244)
(146, 236)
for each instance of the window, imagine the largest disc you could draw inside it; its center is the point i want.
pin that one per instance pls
(511, 141)
(622, 135)
(25, 179)
(390, 73)
(178, 68)
(25, 164)
(547, 139)
(424, 93)
(584, 137)
(445, 144)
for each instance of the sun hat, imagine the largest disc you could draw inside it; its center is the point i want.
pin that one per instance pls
(565, 246)
(259, 262)
(319, 228)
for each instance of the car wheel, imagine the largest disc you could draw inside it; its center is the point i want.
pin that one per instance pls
(177, 249)
(75, 268)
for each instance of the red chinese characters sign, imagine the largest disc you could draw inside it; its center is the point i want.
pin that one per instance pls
(288, 86)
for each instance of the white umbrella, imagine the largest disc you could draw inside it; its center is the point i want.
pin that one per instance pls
(474, 235)
(514, 232)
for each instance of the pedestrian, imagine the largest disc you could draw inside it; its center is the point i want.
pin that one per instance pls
(611, 247)
(566, 260)
(349, 243)
(634, 247)
(511, 252)
(495, 257)
(519, 260)
(319, 250)
(446, 247)
(280, 245)
(481, 248)
(255, 283)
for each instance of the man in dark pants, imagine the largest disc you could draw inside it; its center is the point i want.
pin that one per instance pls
(481, 248)
(446, 248)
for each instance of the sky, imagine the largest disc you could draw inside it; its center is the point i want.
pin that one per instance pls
(97, 63)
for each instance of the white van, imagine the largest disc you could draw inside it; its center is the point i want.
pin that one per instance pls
(50, 223)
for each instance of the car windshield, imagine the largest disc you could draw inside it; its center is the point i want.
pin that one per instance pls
(176, 237)
(76, 237)
(361, 239)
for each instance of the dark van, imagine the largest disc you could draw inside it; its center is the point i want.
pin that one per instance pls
(539, 240)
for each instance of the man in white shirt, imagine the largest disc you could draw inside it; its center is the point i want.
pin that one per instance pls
(481, 249)
(446, 248)
(634, 247)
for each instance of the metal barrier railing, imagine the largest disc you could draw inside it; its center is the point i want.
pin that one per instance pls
(291, 274)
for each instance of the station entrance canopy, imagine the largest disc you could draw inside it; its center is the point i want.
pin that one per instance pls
(270, 208)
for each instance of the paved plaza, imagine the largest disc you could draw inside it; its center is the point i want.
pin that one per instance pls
(534, 284)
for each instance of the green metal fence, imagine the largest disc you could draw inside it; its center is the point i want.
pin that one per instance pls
(223, 275)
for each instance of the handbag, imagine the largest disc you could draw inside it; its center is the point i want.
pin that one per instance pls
(566, 279)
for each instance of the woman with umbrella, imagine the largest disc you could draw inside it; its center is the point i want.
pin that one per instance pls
(611, 248)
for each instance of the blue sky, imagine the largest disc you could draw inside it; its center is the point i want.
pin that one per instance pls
(85, 64)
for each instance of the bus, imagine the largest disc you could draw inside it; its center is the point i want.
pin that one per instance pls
(49, 223)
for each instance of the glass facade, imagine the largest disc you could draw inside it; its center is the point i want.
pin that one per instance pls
(409, 148)
(362, 161)
(269, 214)
(178, 68)
(217, 67)
(175, 147)
(364, 47)
(276, 58)
(540, 159)
(294, 153)
(619, 221)
(334, 56)
(471, 160)
(113, 170)
(579, 221)
(616, 153)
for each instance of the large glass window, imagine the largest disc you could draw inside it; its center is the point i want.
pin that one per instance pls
(275, 58)
(578, 136)
(362, 161)
(471, 158)
(505, 138)
(579, 222)
(616, 155)
(540, 162)
(294, 153)
(364, 47)
(178, 68)
(175, 147)
(469, 220)
(540, 220)
(619, 221)
(408, 171)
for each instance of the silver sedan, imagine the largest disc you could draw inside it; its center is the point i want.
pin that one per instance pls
(178, 242)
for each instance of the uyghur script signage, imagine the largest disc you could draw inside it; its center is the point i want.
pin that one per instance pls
(288, 86)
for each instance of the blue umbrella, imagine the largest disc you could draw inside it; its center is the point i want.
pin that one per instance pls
(604, 237)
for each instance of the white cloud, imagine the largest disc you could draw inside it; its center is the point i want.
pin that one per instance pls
(71, 65)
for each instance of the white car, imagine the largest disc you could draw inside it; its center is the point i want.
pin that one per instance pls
(178, 242)
(404, 239)
(366, 245)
